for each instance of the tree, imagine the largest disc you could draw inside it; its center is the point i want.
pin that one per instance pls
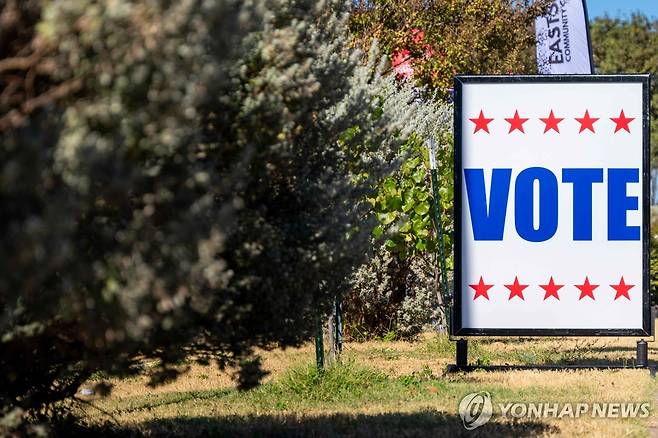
(441, 38)
(190, 180)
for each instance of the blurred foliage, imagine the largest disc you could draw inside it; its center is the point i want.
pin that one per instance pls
(443, 38)
(629, 46)
(179, 178)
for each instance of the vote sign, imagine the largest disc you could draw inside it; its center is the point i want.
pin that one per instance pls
(551, 205)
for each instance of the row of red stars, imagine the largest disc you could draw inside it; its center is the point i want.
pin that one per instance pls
(551, 289)
(551, 122)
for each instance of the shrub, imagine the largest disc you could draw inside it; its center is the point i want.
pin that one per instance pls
(391, 295)
(190, 180)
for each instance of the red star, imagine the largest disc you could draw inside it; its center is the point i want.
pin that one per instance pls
(622, 122)
(516, 289)
(481, 123)
(586, 122)
(587, 289)
(622, 289)
(551, 289)
(481, 289)
(516, 122)
(551, 122)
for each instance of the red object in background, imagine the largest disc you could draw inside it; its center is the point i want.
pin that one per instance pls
(418, 35)
(402, 64)
(402, 58)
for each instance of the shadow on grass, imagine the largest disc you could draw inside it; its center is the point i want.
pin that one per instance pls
(607, 355)
(584, 362)
(416, 424)
(175, 398)
(593, 360)
(624, 348)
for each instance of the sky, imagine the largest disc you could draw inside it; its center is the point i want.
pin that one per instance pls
(621, 8)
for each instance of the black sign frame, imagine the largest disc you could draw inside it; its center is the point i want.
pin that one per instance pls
(456, 328)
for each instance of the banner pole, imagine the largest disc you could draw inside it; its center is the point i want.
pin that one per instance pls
(589, 39)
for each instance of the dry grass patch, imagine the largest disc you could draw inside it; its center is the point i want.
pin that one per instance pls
(386, 388)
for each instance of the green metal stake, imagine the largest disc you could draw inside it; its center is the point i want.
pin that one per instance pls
(439, 228)
(319, 345)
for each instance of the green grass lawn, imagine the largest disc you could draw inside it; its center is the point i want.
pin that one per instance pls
(385, 388)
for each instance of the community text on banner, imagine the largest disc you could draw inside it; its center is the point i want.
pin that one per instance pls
(563, 45)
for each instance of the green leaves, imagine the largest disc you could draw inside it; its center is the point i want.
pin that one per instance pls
(422, 208)
(387, 218)
(394, 203)
(390, 186)
(419, 176)
(403, 204)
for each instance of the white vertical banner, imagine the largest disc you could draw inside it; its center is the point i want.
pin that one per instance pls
(563, 45)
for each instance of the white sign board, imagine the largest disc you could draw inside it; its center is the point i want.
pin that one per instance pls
(562, 33)
(551, 205)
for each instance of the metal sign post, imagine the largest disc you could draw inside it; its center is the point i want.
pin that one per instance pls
(436, 195)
